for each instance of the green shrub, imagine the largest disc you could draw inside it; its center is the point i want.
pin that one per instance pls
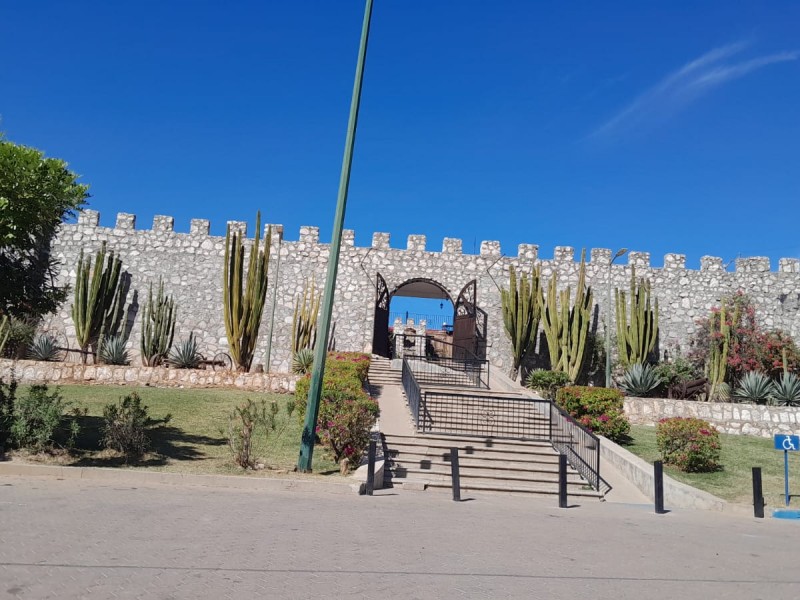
(126, 425)
(598, 409)
(45, 347)
(546, 382)
(40, 420)
(639, 380)
(690, 444)
(185, 354)
(8, 397)
(754, 387)
(113, 351)
(20, 335)
(246, 422)
(346, 412)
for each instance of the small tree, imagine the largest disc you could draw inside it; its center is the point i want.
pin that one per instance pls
(36, 194)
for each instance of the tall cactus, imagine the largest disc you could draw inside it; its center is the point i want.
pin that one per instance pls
(522, 311)
(243, 308)
(99, 299)
(158, 326)
(566, 326)
(304, 318)
(720, 326)
(636, 339)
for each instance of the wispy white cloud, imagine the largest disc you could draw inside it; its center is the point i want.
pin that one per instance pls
(692, 80)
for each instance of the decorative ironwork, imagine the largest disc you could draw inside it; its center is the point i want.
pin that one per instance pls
(380, 331)
(464, 321)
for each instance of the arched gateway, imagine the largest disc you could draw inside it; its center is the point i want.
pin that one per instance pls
(469, 321)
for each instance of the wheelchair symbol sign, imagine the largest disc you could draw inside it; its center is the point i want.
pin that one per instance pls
(789, 443)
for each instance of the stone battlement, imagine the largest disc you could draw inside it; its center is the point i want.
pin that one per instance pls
(562, 255)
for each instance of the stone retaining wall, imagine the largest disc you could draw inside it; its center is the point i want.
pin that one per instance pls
(31, 371)
(727, 417)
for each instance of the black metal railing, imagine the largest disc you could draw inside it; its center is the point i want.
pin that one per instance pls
(581, 446)
(440, 368)
(415, 398)
(432, 322)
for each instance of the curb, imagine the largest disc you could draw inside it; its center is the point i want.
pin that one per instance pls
(271, 484)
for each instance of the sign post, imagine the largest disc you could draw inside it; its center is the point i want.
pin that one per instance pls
(787, 443)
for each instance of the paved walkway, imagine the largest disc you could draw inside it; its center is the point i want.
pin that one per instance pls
(79, 539)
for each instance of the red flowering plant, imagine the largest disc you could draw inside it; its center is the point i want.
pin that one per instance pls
(600, 410)
(692, 445)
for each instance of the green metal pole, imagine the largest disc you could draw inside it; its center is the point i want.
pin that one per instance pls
(315, 389)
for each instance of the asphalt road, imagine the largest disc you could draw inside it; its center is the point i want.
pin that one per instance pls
(90, 539)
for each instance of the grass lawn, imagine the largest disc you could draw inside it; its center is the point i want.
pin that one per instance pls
(192, 440)
(738, 455)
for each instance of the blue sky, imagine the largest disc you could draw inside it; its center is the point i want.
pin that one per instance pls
(667, 127)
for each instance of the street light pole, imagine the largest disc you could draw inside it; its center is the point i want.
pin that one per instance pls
(315, 389)
(619, 253)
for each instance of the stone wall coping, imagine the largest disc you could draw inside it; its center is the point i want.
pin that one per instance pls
(673, 262)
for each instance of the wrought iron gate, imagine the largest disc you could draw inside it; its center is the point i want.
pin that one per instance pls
(380, 332)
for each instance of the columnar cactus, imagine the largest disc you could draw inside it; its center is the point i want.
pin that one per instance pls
(158, 326)
(304, 318)
(522, 311)
(243, 308)
(99, 299)
(720, 325)
(566, 327)
(636, 339)
(5, 329)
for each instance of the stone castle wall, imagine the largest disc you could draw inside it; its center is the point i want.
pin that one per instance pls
(191, 266)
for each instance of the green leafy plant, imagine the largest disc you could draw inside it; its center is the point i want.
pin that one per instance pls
(522, 310)
(245, 423)
(185, 354)
(19, 335)
(676, 372)
(45, 347)
(8, 397)
(600, 410)
(546, 383)
(243, 307)
(566, 325)
(158, 326)
(639, 380)
(754, 387)
(113, 351)
(40, 419)
(99, 298)
(637, 330)
(302, 361)
(786, 390)
(304, 318)
(126, 425)
(692, 445)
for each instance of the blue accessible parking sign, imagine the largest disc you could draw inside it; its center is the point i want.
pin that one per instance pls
(789, 443)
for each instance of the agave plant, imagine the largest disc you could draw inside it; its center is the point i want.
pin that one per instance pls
(302, 361)
(639, 380)
(45, 347)
(185, 354)
(786, 390)
(754, 387)
(113, 351)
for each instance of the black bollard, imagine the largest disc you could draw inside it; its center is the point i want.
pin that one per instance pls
(371, 467)
(758, 494)
(658, 473)
(562, 481)
(455, 474)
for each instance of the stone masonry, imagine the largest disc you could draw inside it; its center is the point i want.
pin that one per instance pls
(191, 266)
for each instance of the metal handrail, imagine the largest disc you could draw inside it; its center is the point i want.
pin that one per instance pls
(444, 370)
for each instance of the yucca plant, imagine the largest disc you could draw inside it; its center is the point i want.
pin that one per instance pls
(45, 347)
(113, 351)
(639, 380)
(786, 390)
(754, 387)
(185, 354)
(302, 361)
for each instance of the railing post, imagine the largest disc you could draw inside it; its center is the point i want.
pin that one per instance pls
(455, 474)
(658, 475)
(562, 481)
(371, 467)
(758, 494)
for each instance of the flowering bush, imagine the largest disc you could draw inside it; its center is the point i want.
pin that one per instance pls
(690, 444)
(346, 412)
(598, 409)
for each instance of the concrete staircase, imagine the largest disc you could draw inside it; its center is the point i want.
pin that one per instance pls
(487, 463)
